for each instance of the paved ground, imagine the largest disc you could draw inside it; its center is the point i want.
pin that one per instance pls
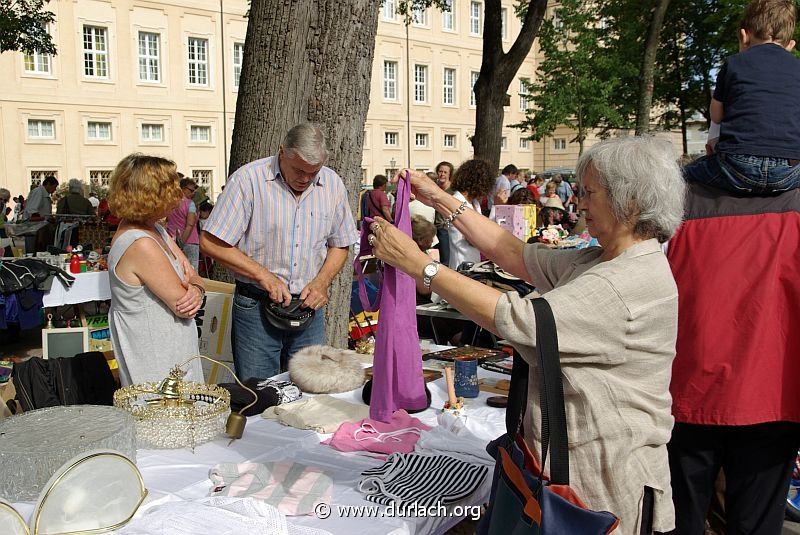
(790, 528)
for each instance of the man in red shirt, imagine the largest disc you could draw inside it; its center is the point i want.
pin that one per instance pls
(377, 202)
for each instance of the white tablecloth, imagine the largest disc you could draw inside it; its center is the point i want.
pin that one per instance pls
(179, 474)
(91, 286)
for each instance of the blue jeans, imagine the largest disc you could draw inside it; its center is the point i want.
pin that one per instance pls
(745, 174)
(259, 349)
(443, 245)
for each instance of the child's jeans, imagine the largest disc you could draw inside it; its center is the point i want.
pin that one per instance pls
(745, 174)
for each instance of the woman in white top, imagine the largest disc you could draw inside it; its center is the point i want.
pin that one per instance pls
(472, 182)
(155, 293)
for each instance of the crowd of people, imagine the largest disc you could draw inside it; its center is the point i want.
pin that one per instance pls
(677, 352)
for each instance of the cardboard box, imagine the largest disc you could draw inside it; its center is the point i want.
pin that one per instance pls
(214, 330)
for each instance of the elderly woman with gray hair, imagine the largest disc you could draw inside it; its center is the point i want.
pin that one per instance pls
(74, 202)
(616, 311)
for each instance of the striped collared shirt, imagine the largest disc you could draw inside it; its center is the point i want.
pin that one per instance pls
(290, 236)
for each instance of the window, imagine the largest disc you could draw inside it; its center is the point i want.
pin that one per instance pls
(421, 141)
(99, 177)
(449, 86)
(523, 143)
(41, 129)
(390, 80)
(475, 15)
(558, 24)
(473, 79)
(390, 139)
(504, 143)
(95, 52)
(200, 134)
(448, 16)
(149, 66)
(36, 62)
(153, 133)
(198, 61)
(504, 23)
(38, 176)
(202, 177)
(419, 15)
(389, 10)
(449, 141)
(420, 84)
(98, 131)
(559, 143)
(238, 56)
(524, 96)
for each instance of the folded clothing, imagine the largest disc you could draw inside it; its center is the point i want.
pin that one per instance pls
(426, 480)
(451, 437)
(396, 436)
(323, 413)
(294, 488)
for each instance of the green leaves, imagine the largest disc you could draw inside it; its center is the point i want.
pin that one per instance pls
(23, 26)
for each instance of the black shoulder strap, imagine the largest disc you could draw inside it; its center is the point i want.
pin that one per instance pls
(551, 392)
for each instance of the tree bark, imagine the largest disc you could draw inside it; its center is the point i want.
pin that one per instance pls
(648, 66)
(309, 60)
(498, 69)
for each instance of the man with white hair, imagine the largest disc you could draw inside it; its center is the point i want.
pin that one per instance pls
(283, 225)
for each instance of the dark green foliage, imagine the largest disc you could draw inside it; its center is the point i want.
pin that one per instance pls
(23, 26)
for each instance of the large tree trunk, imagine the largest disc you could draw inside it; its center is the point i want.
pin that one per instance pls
(309, 60)
(498, 69)
(648, 67)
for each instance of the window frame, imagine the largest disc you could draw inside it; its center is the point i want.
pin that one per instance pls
(559, 141)
(444, 141)
(98, 57)
(451, 86)
(391, 83)
(386, 134)
(202, 66)
(475, 20)
(39, 136)
(237, 66)
(143, 139)
(420, 86)
(148, 58)
(425, 137)
(198, 127)
(473, 99)
(449, 15)
(92, 134)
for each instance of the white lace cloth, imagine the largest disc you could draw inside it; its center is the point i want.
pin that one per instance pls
(215, 516)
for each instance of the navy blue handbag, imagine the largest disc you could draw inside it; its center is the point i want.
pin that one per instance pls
(523, 501)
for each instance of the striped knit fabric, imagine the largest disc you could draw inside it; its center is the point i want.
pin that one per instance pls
(428, 480)
(294, 489)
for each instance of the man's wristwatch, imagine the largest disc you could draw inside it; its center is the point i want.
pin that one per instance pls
(430, 271)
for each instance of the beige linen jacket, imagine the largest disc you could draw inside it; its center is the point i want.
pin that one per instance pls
(617, 325)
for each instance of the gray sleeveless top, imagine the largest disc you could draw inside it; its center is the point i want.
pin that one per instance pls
(148, 338)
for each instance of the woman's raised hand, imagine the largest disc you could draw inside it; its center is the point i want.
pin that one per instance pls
(423, 188)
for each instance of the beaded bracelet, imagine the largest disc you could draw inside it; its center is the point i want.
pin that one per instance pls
(448, 222)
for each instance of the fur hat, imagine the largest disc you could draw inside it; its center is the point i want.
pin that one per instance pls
(326, 370)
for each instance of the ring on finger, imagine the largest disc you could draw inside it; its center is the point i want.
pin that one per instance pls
(371, 239)
(375, 228)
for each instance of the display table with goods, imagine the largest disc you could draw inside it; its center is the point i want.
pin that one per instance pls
(335, 493)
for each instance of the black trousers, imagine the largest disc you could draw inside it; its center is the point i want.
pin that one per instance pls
(757, 461)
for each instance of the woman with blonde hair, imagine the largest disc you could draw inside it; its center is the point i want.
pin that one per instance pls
(155, 293)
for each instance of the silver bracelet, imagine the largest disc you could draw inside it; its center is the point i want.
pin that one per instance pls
(448, 222)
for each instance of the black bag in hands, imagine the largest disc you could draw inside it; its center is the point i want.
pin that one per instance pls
(293, 318)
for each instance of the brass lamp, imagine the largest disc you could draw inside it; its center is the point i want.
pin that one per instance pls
(173, 413)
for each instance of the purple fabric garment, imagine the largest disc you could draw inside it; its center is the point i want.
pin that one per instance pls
(397, 366)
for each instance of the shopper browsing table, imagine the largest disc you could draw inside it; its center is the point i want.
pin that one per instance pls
(283, 225)
(155, 293)
(615, 308)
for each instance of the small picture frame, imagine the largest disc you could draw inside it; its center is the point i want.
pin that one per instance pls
(65, 342)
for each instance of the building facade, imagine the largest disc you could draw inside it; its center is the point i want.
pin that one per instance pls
(161, 77)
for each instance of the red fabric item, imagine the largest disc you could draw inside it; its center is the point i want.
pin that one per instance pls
(376, 200)
(737, 265)
(533, 189)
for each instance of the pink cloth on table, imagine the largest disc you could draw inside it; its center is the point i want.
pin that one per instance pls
(399, 435)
